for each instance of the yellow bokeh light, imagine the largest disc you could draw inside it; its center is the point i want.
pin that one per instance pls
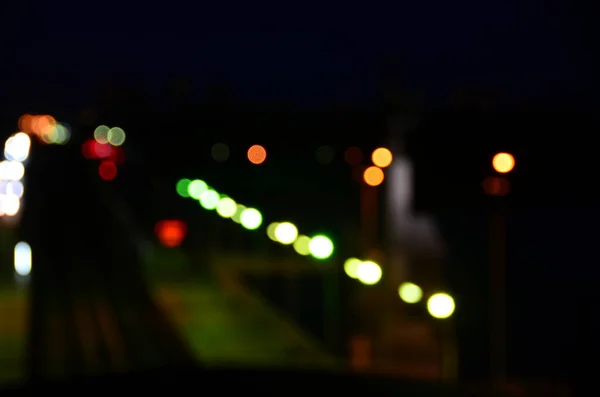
(410, 293)
(382, 157)
(373, 176)
(302, 245)
(286, 233)
(440, 305)
(271, 230)
(368, 273)
(503, 163)
(351, 267)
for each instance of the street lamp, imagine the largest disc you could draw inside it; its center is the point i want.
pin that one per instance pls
(441, 306)
(502, 163)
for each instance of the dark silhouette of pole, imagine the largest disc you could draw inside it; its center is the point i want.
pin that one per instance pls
(498, 294)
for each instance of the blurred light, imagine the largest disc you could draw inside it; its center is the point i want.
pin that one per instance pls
(101, 150)
(351, 267)
(410, 293)
(368, 273)
(503, 163)
(382, 157)
(220, 152)
(325, 155)
(440, 305)
(44, 127)
(101, 134)
(196, 188)
(116, 136)
(117, 155)
(182, 187)
(170, 232)
(15, 188)
(10, 204)
(107, 170)
(257, 154)
(11, 170)
(320, 247)
(22, 258)
(87, 149)
(271, 231)
(373, 176)
(251, 219)
(353, 155)
(209, 199)
(226, 207)
(286, 233)
(496, 186)
(302, 245)
(17, 147)
(61, 134)
(26, 123)
(238, 213)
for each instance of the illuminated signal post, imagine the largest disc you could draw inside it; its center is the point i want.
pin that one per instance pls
(369, 273)
(441, 307)
(373, 177)
(498, 186)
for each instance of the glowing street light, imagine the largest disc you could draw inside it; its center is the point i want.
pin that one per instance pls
(503, 163)
(440, 305)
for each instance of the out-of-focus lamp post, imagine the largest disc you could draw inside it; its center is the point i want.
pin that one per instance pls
(367, 273)
(498, 186)
(373, 177)
(441, 306)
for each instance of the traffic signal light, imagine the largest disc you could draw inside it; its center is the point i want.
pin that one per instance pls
(170, 233)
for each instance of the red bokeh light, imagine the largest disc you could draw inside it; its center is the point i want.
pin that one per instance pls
(102, 150)
(107, 170)
(117, 155)
(87, 149)
(170, 233)
(94, 150)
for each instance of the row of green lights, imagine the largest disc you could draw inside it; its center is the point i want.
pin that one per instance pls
(320, 247)
(439, 305)
(286, 233)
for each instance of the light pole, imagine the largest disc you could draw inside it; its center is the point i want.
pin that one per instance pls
(441, 307)
(498, 186)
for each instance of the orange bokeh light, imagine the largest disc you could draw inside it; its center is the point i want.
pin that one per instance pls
(373, 176)
(257, 154)
(38, 125)
(170, 232)
(503, 163)
(382, 157)
(107, 170)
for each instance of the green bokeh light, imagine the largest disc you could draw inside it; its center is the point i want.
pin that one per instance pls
(321, 247)
(196, 188)
(209, 199)
(302, 245)
(182, 187)
(226, 207)
(251, 219)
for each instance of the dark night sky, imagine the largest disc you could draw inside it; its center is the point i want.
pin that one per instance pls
(305, 51)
